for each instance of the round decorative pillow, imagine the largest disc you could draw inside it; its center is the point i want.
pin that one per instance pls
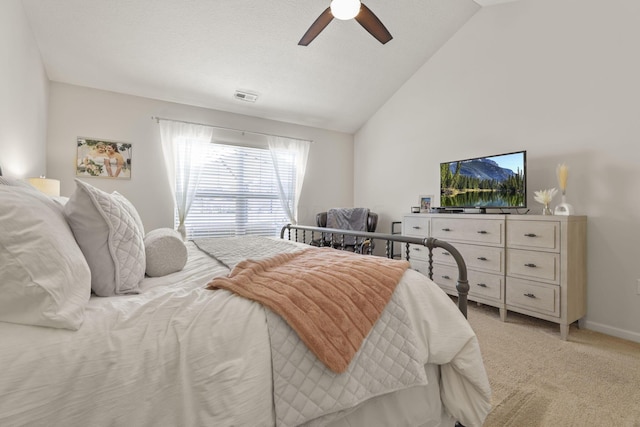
(165, 251)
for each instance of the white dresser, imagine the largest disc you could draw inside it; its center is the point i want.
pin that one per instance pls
(531, 264)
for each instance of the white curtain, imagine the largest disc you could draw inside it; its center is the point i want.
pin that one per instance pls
(184, 146)
(300, 151)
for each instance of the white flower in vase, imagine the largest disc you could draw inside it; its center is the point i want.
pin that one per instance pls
(545, 197)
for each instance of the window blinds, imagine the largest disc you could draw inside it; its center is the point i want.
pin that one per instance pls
(237, 193)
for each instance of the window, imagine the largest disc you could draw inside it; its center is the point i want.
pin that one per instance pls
(237, 192)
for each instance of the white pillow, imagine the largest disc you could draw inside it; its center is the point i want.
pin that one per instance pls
(128, 206)
(166, 252)
(109, 238)
(44, 278)
(15, 182)
(60, 201)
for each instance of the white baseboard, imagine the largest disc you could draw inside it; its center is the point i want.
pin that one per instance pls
(609, 330)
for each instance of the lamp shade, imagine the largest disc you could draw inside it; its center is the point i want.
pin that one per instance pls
(50, 187)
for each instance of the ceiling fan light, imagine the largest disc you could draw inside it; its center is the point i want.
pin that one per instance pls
(345, 9)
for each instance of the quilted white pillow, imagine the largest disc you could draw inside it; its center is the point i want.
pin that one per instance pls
(44, 278)
(109, 238)
(128, 206)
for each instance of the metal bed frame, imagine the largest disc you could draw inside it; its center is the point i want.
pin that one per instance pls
(306, 234)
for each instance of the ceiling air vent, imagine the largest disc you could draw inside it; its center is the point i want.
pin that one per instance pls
(245, 96)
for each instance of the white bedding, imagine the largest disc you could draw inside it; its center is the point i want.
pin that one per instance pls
(180, 355)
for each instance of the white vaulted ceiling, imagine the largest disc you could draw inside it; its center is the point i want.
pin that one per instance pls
(199, 52)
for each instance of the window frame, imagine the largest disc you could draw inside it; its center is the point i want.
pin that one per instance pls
(202, 220)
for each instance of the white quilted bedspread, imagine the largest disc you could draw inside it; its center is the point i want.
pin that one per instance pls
(304, 388)
(232, 250)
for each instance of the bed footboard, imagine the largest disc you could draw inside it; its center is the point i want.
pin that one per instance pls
(317, 236)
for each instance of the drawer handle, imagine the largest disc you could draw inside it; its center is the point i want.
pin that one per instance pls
(417, 249)
(416, 227)
(529, 295)
(482, 232)
(446, 277)
(445, 253)
(482, 285)
(530, 265)
(530, 235)
(446, 229)
(481, 258)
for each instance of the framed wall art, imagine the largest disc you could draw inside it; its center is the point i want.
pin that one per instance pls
(101, 158)
(425, 203)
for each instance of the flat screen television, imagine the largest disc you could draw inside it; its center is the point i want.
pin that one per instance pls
(498, 181)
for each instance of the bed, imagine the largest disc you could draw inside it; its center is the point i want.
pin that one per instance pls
(175, 350)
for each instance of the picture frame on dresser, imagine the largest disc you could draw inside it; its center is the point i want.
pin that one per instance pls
(425, 203)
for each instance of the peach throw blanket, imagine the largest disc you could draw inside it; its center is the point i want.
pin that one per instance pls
(329, 297)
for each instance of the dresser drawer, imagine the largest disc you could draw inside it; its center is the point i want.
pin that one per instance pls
(416, 226)
(420, 266)
(480, 284)
(446, 277)
(485, 285)
(544, 235)
(482, 231)
(419, 252)
(485, 258)
(533, 296)
(534, 265)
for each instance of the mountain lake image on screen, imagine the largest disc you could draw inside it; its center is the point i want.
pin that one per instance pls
(497, 181)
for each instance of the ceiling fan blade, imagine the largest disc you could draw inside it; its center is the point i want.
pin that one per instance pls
(315, 28)
(371, 23)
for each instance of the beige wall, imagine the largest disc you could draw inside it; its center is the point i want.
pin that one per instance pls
(559, 78)
(23, 96)
(77, 111)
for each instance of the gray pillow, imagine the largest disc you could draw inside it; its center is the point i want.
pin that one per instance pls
(109, 238)
(165, 251)
(128, 206)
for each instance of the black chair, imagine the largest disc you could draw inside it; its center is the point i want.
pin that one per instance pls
(360, 245)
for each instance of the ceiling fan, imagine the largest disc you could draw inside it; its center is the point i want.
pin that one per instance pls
(344, 10)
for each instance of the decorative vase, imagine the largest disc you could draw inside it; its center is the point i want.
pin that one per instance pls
(546, 210)
(564, 208)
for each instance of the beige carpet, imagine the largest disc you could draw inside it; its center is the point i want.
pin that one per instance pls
(538, 380)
